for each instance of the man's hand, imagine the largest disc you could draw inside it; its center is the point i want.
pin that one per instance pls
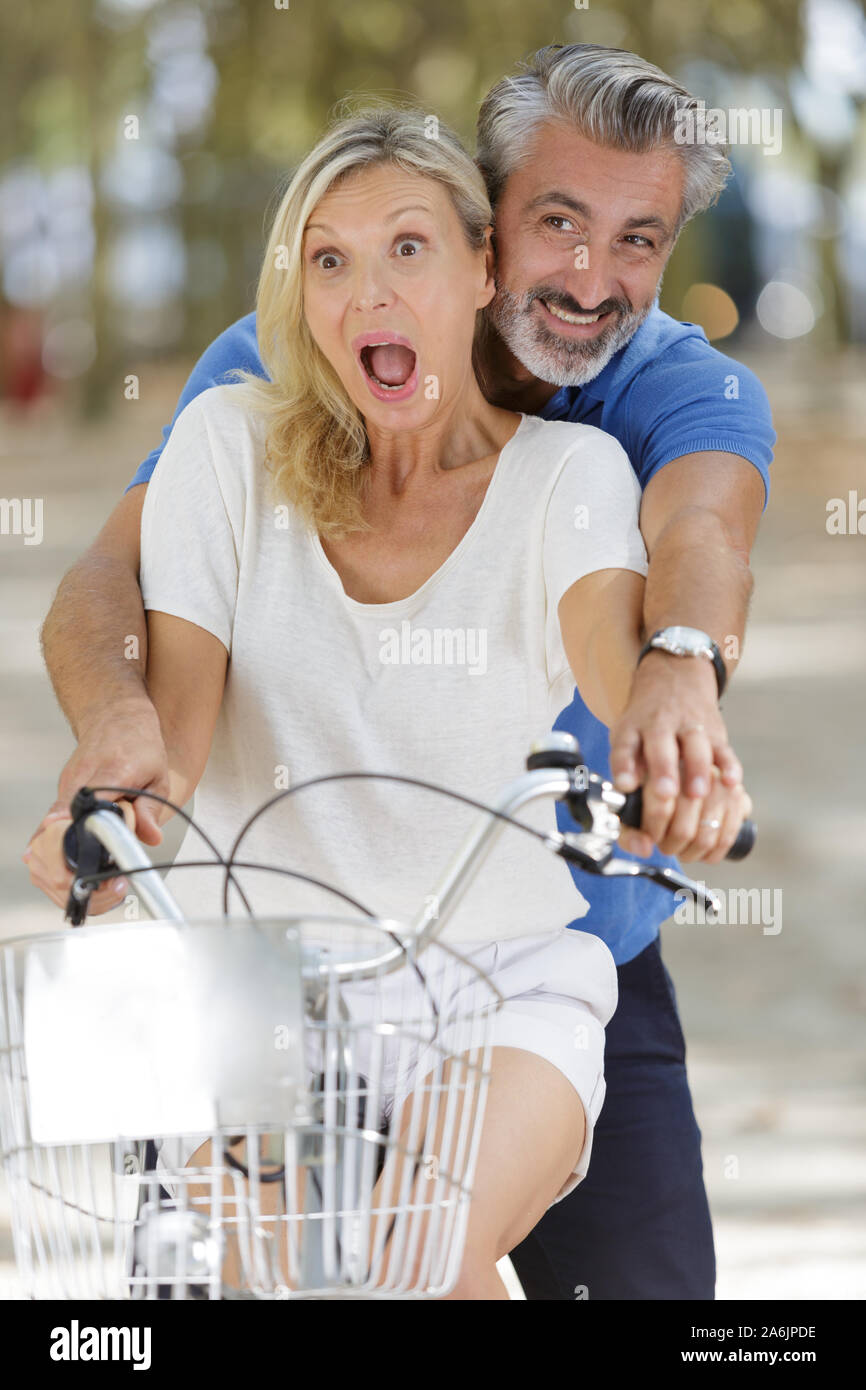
(122, 747)
(671, 739)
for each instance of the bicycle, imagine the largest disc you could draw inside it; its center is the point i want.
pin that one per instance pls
(311, 1189)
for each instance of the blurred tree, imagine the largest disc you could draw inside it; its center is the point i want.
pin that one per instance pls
(71, 73)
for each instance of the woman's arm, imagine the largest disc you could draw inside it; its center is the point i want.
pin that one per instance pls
(186, 673)
(600, 622)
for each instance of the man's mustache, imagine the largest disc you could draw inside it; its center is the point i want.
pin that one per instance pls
(570, 306)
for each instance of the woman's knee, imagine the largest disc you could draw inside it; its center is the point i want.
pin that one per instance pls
(478, 1278)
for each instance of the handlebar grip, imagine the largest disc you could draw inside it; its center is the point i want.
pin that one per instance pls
(81, 849)
(632, 813)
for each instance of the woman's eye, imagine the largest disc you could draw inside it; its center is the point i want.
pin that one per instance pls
(327, 260)
(407, 247)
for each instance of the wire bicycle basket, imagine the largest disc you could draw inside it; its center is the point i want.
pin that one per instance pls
(219, 1110)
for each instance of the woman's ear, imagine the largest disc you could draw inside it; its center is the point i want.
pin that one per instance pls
(488, 287)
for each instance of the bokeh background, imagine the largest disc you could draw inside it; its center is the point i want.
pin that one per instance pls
(141, 144)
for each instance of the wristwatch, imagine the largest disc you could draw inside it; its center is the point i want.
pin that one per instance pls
(688, 641)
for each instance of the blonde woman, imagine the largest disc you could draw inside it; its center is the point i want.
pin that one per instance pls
(303, 542)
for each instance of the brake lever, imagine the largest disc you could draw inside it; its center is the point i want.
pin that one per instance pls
(595, 805)
(594, 854)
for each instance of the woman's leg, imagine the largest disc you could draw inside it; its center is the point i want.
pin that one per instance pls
(532, 1136)
(271, 1234)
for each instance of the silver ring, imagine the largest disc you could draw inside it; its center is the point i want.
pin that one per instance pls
(692, 729)
(713, 824)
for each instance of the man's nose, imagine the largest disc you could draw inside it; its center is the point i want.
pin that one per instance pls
(591, 280)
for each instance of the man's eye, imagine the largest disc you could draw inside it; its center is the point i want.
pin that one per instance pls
(636, 240)
(563, 223)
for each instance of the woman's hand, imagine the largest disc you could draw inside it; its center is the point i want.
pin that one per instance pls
(697, 827)
(47, 865)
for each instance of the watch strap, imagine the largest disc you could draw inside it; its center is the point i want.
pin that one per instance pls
(713, 652)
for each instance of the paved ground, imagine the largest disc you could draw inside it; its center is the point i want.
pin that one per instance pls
(774, 1021)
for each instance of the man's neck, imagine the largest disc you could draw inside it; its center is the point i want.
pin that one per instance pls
(506, 382)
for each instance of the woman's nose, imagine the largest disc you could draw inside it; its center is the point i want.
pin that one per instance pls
(371, 290)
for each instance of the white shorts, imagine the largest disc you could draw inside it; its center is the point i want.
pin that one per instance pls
(559, 991)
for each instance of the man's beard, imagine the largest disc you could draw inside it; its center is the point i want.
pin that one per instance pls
(559, 360)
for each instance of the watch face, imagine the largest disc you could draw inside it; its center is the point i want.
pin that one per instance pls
(683, 641)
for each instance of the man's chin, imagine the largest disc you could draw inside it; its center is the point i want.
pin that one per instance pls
(573, 368)
(569, 362)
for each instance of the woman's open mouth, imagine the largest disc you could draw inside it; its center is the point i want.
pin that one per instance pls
(389, 364)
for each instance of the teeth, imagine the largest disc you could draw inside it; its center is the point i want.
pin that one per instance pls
(570, 318)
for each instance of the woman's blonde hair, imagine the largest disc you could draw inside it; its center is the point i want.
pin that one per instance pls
(317, 446)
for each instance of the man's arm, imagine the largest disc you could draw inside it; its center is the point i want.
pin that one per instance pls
(186, 672)
(95, 640)
(699, 518)
(95, 645)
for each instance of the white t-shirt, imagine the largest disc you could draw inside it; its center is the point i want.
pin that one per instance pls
(451, 684)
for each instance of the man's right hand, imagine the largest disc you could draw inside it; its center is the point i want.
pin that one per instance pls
(123, 747)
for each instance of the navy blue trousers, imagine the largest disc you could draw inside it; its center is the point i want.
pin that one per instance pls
(638, 1226)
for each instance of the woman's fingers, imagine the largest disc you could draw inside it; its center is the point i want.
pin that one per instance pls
(48, 871)
(718, 823)
(735, 808)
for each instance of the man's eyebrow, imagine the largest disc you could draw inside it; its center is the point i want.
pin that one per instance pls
(652, 220)
(563, 199)
(583, 210)
(392, 217)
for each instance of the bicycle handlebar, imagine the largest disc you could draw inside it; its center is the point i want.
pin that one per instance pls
(555, 769)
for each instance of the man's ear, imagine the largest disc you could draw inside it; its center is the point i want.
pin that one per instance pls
(489, 285)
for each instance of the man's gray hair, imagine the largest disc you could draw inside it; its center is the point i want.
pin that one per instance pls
(607, 94)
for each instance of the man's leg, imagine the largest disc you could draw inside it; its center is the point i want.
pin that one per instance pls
(638, 1226)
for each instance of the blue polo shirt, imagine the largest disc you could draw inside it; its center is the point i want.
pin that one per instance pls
(665, 394)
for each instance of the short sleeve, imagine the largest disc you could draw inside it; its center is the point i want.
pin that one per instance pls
(189, 547)
(235, 349)
(707, 403)
(591, 522)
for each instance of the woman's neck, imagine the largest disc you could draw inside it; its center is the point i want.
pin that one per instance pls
(470, 430)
